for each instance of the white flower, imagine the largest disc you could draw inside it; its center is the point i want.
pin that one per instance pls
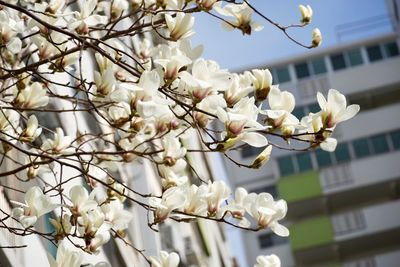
(81, 200)
(268, 261)
(218, 192)
(115, 214)
(314, 131)
(181, 26)
(32, 130)
(279, 116)
(196, 202)
(165, 260)
(62, 225)
(36, 205)
(173, 150)
(262, 80)
(59, 145)
(316, 37)
(65, 257)
(306, 14)
(236, 207)
(335, 109)
(84, 19)
(262, 158)
(33, 96)
(206, 78)
(267, 212)
(172, 199)
(242, 17)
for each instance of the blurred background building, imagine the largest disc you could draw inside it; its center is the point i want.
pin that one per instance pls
(344, 207)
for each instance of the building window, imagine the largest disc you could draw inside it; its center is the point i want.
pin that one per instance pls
(283, 74)
(302, 70)
(318, 66)
(379, 144)
(299, 112)
(270, 239)
(304, 162)
(314, 108)
(323, 158)
(355, 57)
(374, 53)
(286, 165)
(361, 148)
(395, 136)
(391, 49)
(338, 62)
(342, 153)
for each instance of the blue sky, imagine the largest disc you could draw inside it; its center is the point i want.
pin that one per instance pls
(234, 51)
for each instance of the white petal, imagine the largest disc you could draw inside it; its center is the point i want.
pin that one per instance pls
(254, 139)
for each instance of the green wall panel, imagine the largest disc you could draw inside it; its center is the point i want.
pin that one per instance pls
(311, 233)
(299, 186)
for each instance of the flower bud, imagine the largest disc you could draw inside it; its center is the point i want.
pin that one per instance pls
(262, 158)
(306, 14)
(316, 37)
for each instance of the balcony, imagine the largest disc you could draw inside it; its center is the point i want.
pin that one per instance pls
(347, 235)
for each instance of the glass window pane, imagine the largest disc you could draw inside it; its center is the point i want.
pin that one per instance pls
(283, 74)
(286, 165)
(361, 148)
(374, 53)
(391, 49)
(379, 143)
(342, 153)
(299, 112)
(395, 136)
(355, 57)
(302, 70)
(304, 162)
(314, 108)
(323, 158)
(318, 66)
(270, 239)
(338, 62)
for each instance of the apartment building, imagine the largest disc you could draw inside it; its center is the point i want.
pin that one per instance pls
(343, 206)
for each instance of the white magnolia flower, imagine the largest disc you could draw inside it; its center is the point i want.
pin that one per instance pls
(267, 212)
(306, 14)
(59, 145)
(9, 28)
(115, 214)
(66, 257)
(262, 158)
(196, 202)
(173, 150)
(240, 87)
(218, 192)
(335, 109)
(268, 261)
(242, 17)
(236, 207)
(81, 200)
(172, 66)
(206, 78)
(165, 259)
(316, 37)
(181, 26)
(33, 96)
(85, 19)
(262, 82)
(62, 225)
(279, 116)
(32, 130)
(36, 205)
(172, 199)
(314, 131)
(206, 4)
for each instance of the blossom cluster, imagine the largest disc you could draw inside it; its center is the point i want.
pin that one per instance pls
(151, 100)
